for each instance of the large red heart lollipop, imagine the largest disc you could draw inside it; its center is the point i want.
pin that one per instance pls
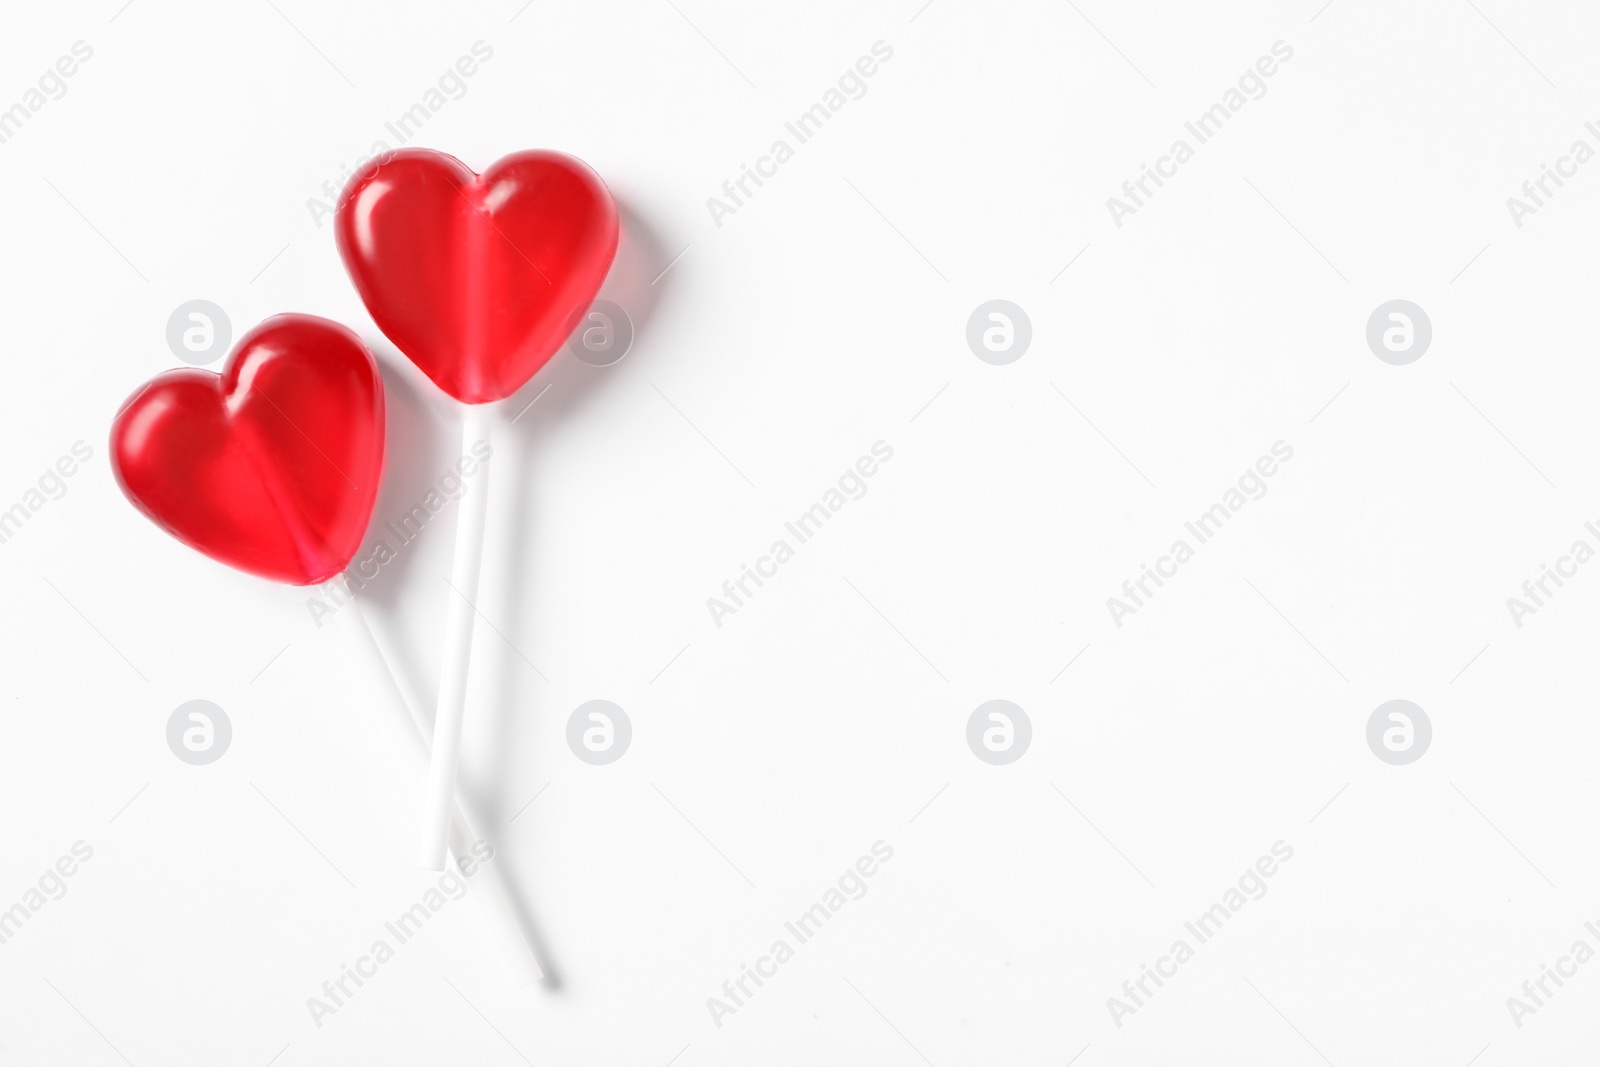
(478, 279)
(273, 465)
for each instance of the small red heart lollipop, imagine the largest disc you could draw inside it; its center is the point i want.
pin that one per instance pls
(478, 279)
(271, 466)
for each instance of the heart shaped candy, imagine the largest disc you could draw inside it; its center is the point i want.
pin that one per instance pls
(478, 279)
(271, 466)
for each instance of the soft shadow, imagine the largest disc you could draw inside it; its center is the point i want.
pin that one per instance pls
(632, 283)
(418, 427)
(420, 423)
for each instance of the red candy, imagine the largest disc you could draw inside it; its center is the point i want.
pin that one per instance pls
(478, 279)
(273, 465)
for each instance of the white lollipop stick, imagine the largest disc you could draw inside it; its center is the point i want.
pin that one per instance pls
(440, 793)
(492, 893)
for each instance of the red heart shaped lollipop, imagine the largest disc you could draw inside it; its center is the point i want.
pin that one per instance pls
(273, 465)
(478, 279)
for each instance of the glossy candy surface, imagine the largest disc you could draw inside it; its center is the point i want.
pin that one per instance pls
(478, 279)
(271, 466)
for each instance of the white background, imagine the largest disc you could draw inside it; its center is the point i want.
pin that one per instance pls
(820, 318)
